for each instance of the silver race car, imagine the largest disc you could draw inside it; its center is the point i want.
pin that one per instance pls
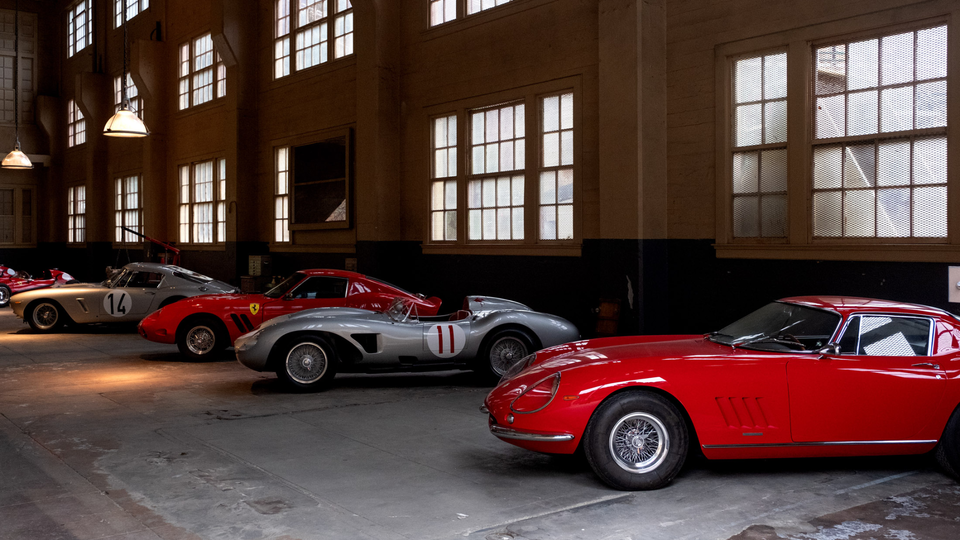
(128, 295)
(489, 335)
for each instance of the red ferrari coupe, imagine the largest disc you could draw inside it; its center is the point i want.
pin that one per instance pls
(13, 282)
(204, 325)
(801, 377)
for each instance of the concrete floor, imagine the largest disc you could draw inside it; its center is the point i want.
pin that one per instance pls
(104, 435)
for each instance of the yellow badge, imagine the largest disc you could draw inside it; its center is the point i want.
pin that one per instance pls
(254, 308)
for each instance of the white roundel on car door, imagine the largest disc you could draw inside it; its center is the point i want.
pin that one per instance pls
(445, 340)
(117, 303)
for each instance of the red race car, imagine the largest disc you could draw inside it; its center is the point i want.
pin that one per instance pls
(204, 325)
(801, 377)
(13, 282)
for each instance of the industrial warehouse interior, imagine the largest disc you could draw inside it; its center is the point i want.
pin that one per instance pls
(484, 269)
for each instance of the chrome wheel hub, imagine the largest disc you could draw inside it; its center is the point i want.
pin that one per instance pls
(45, 315)
(306, 363)
(639, 442)
(505, 352)
(201, 340)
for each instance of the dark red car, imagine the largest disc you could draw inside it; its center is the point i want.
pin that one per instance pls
(13, 282)
(203, 325)
(801, 377)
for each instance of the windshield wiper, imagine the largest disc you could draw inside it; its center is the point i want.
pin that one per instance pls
(771, 339)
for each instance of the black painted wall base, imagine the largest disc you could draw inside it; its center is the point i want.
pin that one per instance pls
(663, 286)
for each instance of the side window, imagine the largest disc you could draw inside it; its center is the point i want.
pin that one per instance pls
(321, 287)
(879, 335)
(149, 280)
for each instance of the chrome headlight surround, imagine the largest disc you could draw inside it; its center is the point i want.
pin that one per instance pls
(515, 369)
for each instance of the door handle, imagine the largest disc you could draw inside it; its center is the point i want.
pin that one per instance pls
(927, 364)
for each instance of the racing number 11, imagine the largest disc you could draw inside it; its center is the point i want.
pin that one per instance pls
(440, 335)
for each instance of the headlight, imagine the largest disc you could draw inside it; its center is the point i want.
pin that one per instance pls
(519, 366)
(537, 396)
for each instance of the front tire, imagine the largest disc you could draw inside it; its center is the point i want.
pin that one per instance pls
(307, 363)
(504, 349)
(45, 316)
(4, 296)
(948, 451)
(636, 441)
(202, 338)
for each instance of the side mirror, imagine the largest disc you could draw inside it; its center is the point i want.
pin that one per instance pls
(829, 348)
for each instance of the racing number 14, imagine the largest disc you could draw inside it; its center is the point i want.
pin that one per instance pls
(120, 308)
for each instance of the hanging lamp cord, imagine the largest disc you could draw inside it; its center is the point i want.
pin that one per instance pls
(124, 103)
(16, 72)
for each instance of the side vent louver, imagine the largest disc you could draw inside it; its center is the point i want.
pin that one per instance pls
(744, 412)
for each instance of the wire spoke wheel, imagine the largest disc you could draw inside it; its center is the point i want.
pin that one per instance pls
(46, 316)
(639, 442)
(201, 340)
(306, 363)
(505, 352)
(4, 295)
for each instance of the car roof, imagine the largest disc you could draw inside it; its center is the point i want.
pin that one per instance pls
(330, 272)
(855, 304)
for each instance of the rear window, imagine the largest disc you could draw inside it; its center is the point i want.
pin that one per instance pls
(190, 275)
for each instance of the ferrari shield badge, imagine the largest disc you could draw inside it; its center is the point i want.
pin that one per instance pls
(254, 309)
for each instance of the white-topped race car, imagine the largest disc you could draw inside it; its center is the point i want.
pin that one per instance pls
(128, 295)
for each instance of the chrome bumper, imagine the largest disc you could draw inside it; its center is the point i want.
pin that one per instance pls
(507, 433)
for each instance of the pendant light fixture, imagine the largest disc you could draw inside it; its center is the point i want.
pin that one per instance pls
(125, 123)
(16, 159)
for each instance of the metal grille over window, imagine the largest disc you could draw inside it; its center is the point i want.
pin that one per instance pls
(760, 125)
(281, 199)
(556, 172)
(495, 201)
(881, 105)
(443, 198)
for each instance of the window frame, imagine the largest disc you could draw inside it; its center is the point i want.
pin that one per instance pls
(284, 56)
(281, 195)
(461, 9)
(73, 40)
(133, 96)
(76, 216)
(799, 242)
(121, 210)
(27, 57)
(531, 97)
(140, 7)
(188, 208)
(76, 125)
(931, 331)
(186, 79)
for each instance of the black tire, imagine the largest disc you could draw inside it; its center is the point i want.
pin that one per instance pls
(306, 363)
(502, 349)
(636, 441)
(45, 316)
(4, 296)
(202, 338)
(948, 451)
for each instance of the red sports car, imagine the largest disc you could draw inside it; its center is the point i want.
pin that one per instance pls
(13, 282)
(801, 377)
(203, 325)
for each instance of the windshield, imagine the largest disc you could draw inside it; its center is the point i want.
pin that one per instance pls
(401, 308)
(284, 286)
(117, 278)
(780, 327)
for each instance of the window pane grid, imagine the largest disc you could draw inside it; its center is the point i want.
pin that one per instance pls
(476, 6)
(495, 208)
(133, 96)
(134, 8)
(882, 85)
(281, 198)
(556, 171)
(203, 202)
(127, 209)
(79, 30)
(442, 11)
(760, 100)
(893, 188)
(76, 214)
(202, 73)
(443, 203)
(76, 125)
(760, 194)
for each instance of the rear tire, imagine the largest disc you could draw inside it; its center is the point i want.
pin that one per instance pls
(306, 363)
(636, 441)
(201, 338)
(503, 349)
(948, 451)
(45, 316)
(4, 296)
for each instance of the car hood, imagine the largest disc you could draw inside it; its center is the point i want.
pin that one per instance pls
(634, 348)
